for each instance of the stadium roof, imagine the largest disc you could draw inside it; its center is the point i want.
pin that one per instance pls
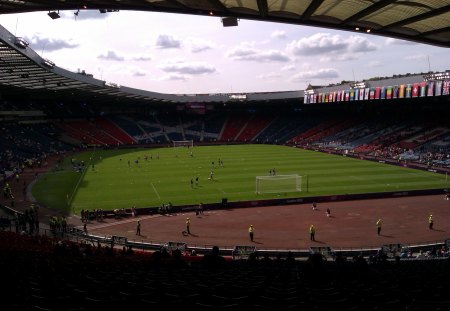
(424, 21)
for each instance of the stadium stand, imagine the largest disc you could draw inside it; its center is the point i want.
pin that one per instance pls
(233, 127)
(45, 273)
(128, 125)
(114, 131)
(254, 126)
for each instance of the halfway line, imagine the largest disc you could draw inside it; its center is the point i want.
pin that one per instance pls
(156, 191)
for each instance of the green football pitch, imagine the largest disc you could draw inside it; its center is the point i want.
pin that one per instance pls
(109, 182)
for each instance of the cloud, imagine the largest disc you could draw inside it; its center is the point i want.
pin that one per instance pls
(174, 77)
(141, 58)
(270, 56)
(268, 76)
(278, 34)
(245, 52)
(319, 43)
(241, 52)
(338, 58)
(416, 57)
(200, 45)
(83, 15)
(111, 55)
(324, 73)
(138, 73)
(167, 42)
(198, 49)
(288, 68)
(392, 41)
(191, 68)
(49, 44)
(325, 43)
(360, 44)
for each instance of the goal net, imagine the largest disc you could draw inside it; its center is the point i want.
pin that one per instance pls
(183, 143)
(278, 183)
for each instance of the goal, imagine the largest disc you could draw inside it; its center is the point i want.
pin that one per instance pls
(278, 183)
(183, 143)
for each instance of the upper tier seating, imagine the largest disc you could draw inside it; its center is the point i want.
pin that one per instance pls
(254, 126)
(233, 127)
(115, 131)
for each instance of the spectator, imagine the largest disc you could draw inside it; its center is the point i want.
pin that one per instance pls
(214, 259)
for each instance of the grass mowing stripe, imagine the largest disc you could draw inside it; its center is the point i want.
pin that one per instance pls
(114, 184)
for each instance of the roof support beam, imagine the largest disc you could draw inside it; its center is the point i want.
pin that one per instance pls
(263, 8)
(419, 17)
(436, 31)
(311, 9)
(371, 9)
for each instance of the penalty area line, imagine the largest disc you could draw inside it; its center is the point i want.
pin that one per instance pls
(156, 191)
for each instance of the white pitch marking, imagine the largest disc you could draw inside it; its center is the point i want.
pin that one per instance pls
(156, 191)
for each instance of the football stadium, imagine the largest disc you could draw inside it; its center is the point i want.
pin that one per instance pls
(335, 196)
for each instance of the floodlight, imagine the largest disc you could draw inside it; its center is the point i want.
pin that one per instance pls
(54, 14)
(21, 42)
(48, 63)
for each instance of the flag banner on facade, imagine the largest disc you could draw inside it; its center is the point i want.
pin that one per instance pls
(372, 93)
(401, 91)
(361, 94)
(408, 89)
(395, 91)
(388, 92)
(430, 90)
(306, 99)
(438, 88)
(377, 92)
(415, 90)
(423, 89)
(446, 87)
(383, 92)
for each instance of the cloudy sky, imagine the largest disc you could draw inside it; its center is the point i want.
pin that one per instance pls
(185, 54)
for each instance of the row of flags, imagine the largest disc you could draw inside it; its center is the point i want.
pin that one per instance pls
(423, 89)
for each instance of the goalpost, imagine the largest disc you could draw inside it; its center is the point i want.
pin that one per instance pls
(278, 183)
(183, 143)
